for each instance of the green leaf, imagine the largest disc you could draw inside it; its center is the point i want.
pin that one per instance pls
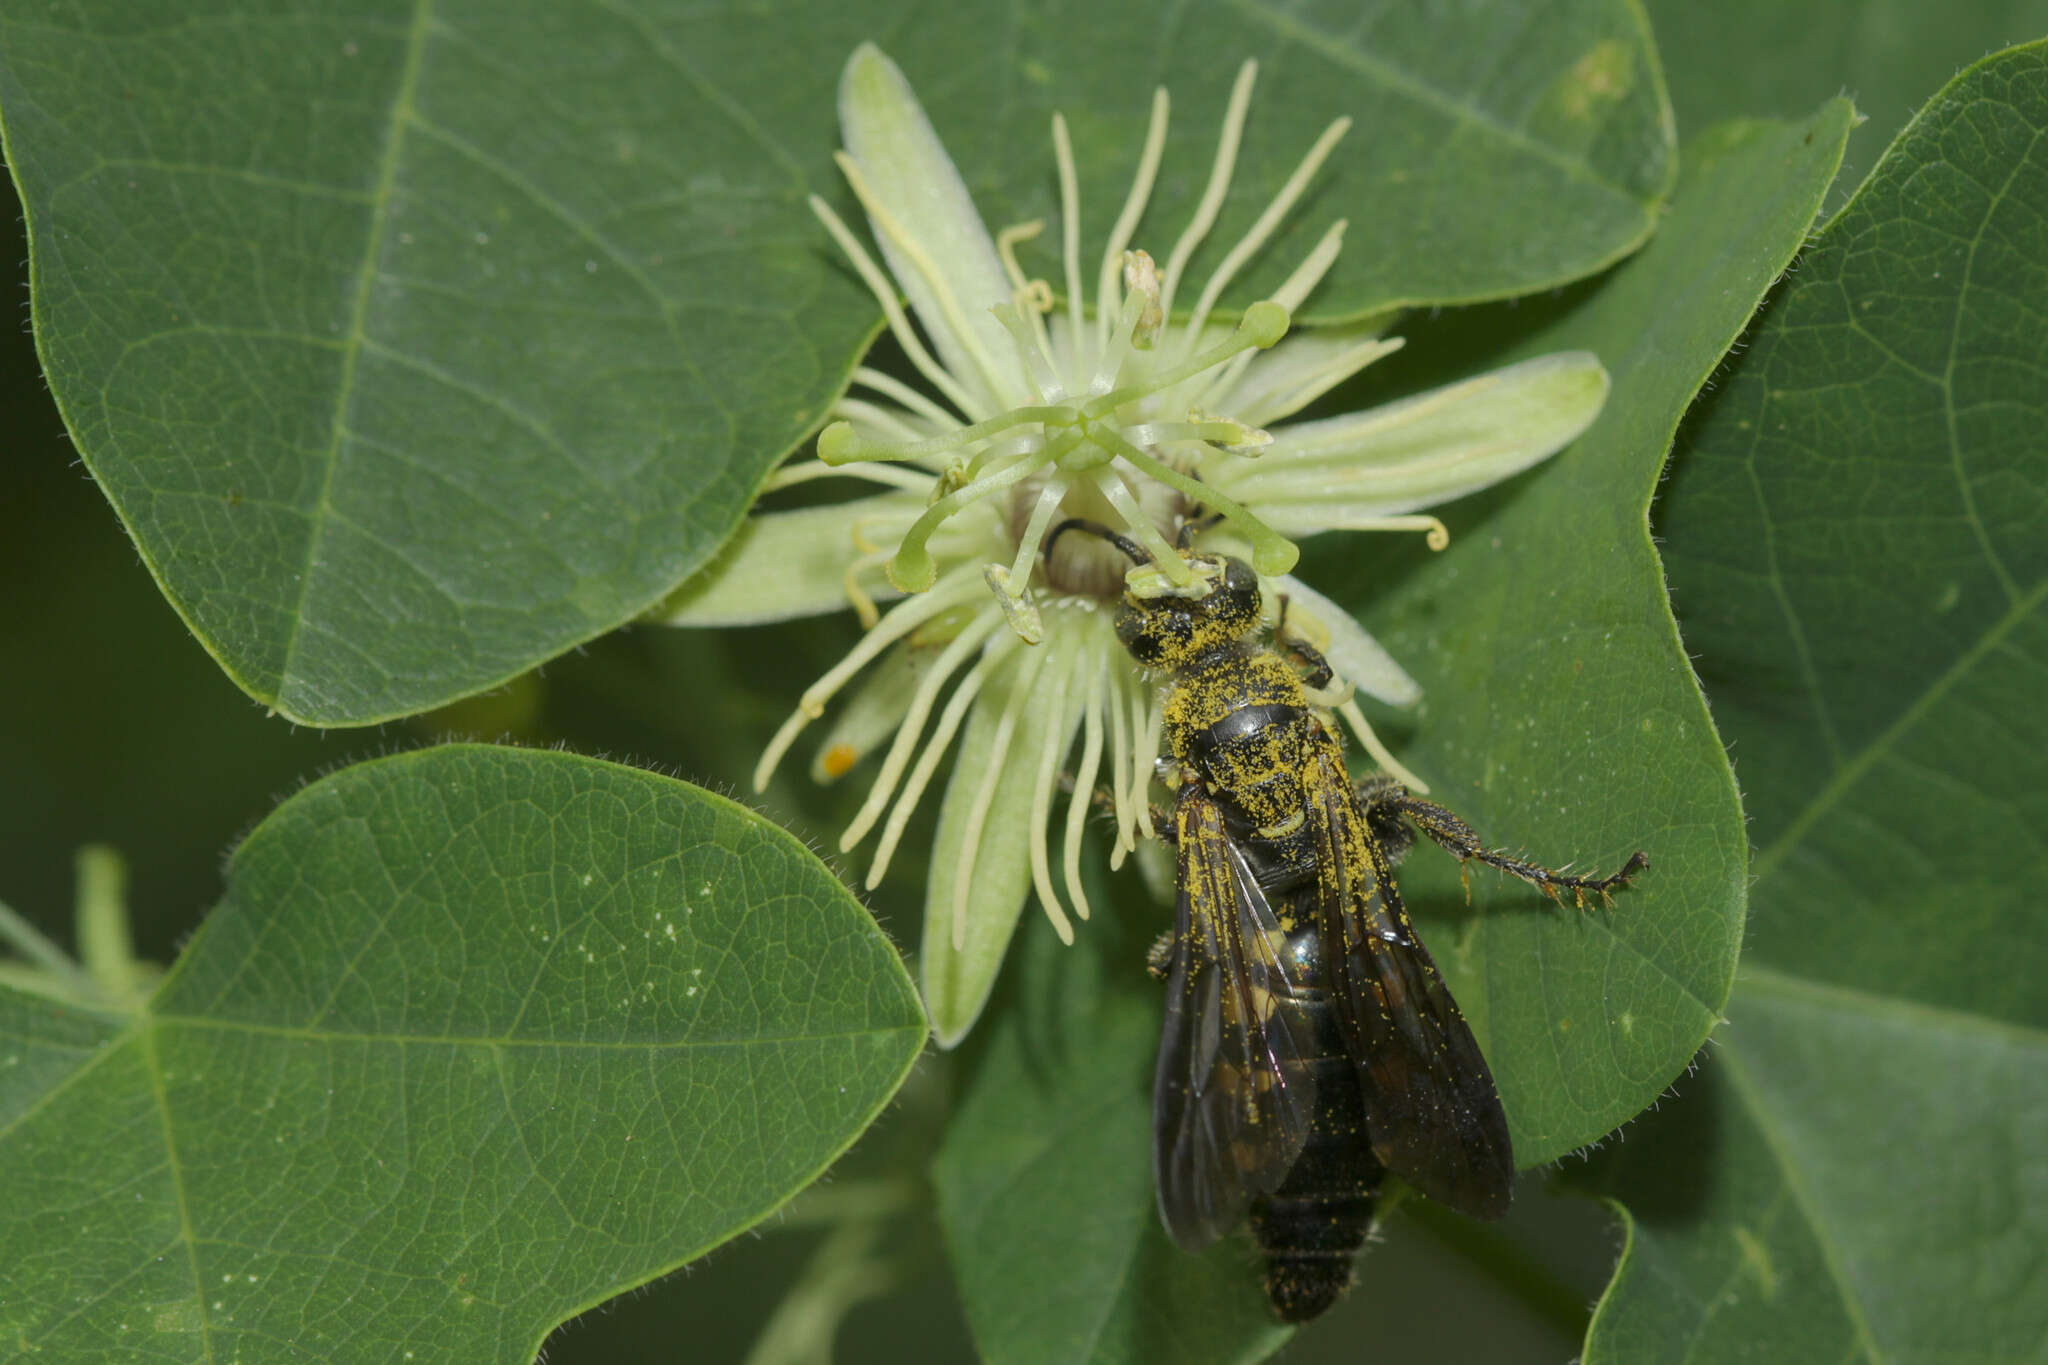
(1854, 536)
(1559, 714)
(1497, 148)
(1765, 57)
(417, 344)
(1045, 1180)
(477, 1038)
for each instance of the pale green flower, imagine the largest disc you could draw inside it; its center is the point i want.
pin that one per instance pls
(1117, 410)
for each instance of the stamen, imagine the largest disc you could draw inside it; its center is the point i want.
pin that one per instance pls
(841, 444)
(890, 423)
(1263, 228)
(913, 569)
(1272, 553)
(1079, 800)
(901, 620)
(1262, 325)
(899, 324)
(1235, 437)
(1141, 276)
(1017, 605)
(1219, 183)
(985, 794)
(1127, 221)
(1057, 738)
(806, 470)
(912, 726)
(1031, 357)
(997, 655)
(1070, 231)
(942, 289)
(1363, 728)
(1049, 499)
(1139, 522)
(1131, 313)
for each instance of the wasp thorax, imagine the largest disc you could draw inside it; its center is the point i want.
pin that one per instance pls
(1164, 626)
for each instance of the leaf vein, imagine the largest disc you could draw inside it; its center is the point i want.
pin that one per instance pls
(1847, 775)
(402, 110)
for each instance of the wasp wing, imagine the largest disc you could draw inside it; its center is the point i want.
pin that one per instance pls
(1232, 1096)
(1431, 1109)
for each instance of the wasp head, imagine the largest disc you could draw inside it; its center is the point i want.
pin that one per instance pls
(1165, 626)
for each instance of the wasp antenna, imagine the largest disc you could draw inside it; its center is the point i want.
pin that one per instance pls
(1138, 554)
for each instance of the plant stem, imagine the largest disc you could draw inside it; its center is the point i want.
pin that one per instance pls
(104, 944)
(842, 1273)
(31, 943)
(848, 1201)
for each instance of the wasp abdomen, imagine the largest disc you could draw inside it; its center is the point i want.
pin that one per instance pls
(1310, 1229)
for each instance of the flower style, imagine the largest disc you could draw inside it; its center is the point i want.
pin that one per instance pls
(1121, 414)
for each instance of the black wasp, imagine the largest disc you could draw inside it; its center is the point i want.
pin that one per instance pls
(1310, 1044)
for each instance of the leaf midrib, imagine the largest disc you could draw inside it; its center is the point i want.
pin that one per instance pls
(152, 1067)
(1896, 1008)
(1802, 1199)
(1849, 774)
(354, 338)
(303, 1034)
(1768, 981)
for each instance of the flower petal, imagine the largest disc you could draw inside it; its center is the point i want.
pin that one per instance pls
(1319, 476)
(1280, 382)
(906, 169)
(782, 565)
(957, 981)
(1358, 658)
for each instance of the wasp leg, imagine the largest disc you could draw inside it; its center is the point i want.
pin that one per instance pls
(1388, 804)
(1104, 801)
(1317, 673)
(1159, 957)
